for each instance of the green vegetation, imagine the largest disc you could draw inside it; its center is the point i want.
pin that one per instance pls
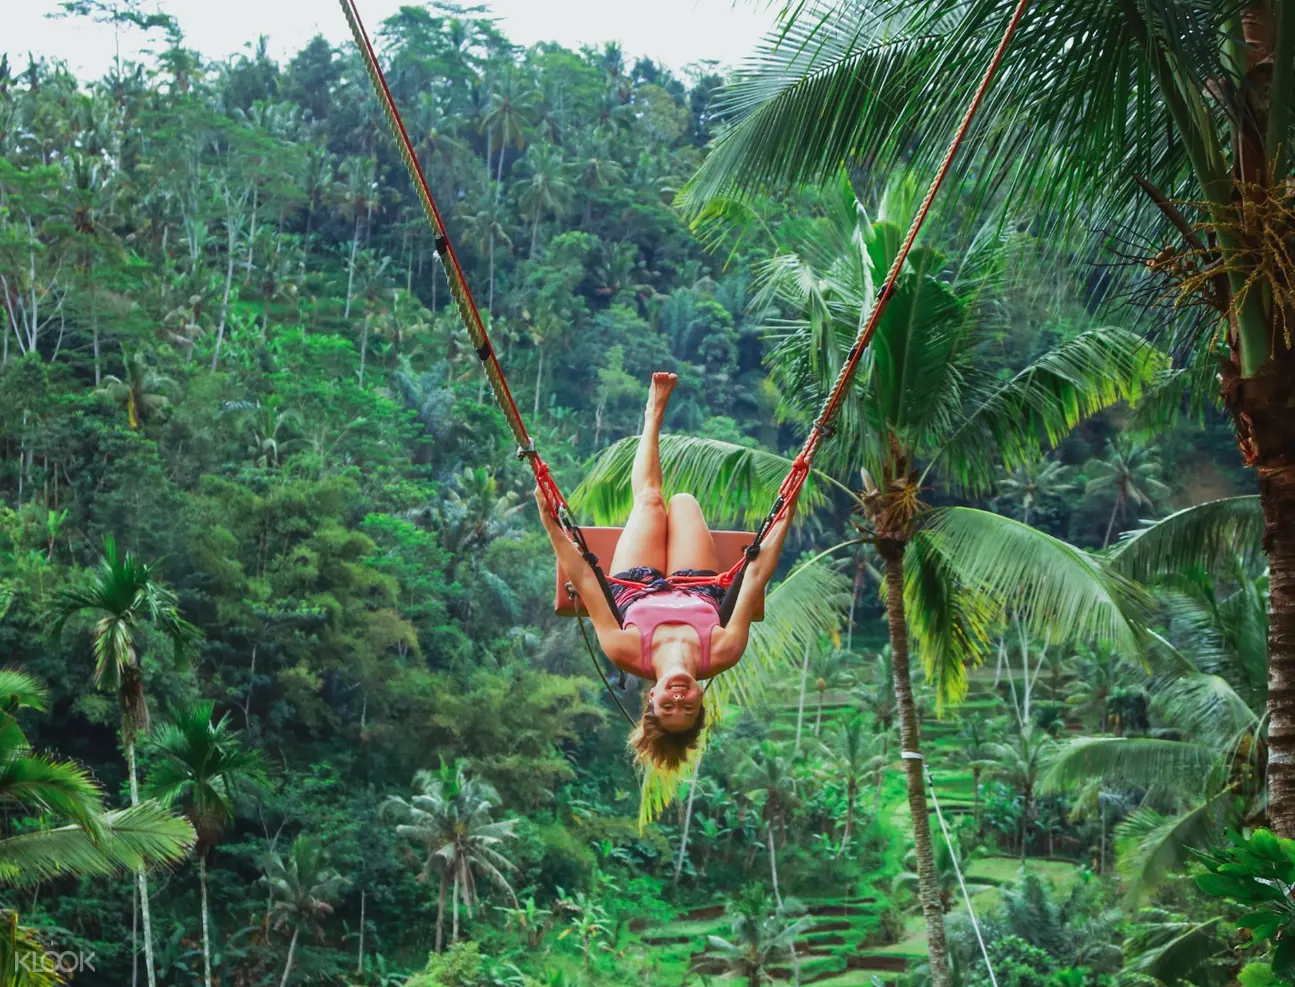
(284, 701)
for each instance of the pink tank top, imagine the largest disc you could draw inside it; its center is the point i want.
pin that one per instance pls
(649, 612)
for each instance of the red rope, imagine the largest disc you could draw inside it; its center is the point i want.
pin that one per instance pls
(831, 406)
(471, 315)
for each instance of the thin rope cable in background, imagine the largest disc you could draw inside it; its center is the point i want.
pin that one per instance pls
(953, 855)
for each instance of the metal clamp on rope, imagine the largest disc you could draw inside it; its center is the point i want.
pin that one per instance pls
(442, 244)
(526, 450)
(826, 431)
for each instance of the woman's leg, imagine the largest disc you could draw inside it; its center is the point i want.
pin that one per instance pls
(689, 544)
(643, 542)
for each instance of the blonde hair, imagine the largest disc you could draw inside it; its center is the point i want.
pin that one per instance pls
(668, 749)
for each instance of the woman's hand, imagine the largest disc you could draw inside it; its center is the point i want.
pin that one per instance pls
(546, 516)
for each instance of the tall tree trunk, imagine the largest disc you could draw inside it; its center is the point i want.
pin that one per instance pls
(141, 878)
(851, 793)
(359, 960)
(1110, 523)
(854, 599)
(1260, 405)
(454, 933)
(777, 896)
(490, 293)
(539, 380)
(292, 949)
(440, 913)
(364, 347)
(350, 266)
(687, 820)
(1101, 860)
(975, 798)
(94, 328)
(535, 231)
(818, 718)
(224, 301)
(892, 552)
(800, 708)
(134, 936)
(206, 928)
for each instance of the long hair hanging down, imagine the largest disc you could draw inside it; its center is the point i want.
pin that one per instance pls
(665, 749)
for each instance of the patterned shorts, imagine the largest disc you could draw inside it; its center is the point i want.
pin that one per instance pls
(655, 578)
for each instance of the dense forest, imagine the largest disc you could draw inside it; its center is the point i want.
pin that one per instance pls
(285, 698)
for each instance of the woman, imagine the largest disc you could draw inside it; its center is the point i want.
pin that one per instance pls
(671, 635)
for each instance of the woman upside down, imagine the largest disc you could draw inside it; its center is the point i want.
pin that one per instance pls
(671, 634)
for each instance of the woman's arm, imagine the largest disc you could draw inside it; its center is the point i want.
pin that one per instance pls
(727, 652)
(620, 646)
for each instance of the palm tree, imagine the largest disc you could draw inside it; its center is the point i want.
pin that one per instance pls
(202, 763)
(1132, 473)
(768, 775)
(597, 168)
(1034, 486)
(486, 227)
(302, 891)
(76, 836)
(760, 936)
(919, 411)
(448, 817)
(834, 672)
(1021, 761)
(360, 195)
(971, 752)
(510, 113)
(1097, 676)
(853, 756)
(1172, 125)
(123, 595)
(1214, 701)
(545, 187)
(142, 391)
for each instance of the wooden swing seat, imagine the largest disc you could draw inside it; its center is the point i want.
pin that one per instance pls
(602, 542)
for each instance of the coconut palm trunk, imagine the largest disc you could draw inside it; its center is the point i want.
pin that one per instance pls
(851, 794)
(892, 553)
(800, 707)
(1277, 495)
(141, 878)
(287, 967)
(440, 914)
(206, 928)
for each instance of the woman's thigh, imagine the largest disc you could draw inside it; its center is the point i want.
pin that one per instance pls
(643, 541)
(689, 544)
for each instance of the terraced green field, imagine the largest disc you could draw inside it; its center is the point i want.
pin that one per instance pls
(843, 948)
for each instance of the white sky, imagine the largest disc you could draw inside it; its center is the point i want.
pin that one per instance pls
(675, 32)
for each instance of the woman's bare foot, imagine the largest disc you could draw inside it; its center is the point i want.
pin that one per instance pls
(663, 384)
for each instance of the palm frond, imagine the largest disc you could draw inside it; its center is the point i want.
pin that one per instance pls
(732, 483)
(1143, 762)
(59, 788)
(1044, 401)
(1173, 951)
(1208, 708)
(984, 567)
(143, 835)
(19, 690)
(1207, 536)
(1150, 845)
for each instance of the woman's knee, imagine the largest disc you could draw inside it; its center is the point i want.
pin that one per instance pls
(684, 502)
(650, 499)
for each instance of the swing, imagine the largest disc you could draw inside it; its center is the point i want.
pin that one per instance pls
(738, 549)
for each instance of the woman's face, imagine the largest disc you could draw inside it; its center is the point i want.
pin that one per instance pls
(676, 700)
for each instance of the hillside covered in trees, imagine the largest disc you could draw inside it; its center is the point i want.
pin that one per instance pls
(286, 699)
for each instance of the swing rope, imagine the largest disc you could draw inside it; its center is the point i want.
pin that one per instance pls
(953, 855)
(731, 580)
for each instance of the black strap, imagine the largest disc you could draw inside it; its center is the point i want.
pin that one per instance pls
(729, 603)
(593, 658)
